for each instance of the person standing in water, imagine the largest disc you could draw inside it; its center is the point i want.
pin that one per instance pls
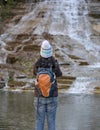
(46, 106)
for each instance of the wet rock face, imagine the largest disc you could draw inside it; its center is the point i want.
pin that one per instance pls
(94, 13)
(23, 40)
(2, 82)
(94, 8)
(11, 59)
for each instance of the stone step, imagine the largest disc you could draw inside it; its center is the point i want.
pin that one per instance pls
(65, 81)
(66, 78)
(63, 86)
(20, 9)
(94, 10)
(97, 4)
(95, 15)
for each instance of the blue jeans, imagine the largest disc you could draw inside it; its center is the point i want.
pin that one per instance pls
(45, 107)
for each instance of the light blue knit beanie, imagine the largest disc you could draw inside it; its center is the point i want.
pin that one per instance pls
(46, 49)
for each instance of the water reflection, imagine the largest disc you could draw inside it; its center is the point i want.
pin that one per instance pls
(16, 111)
(75, 112)
(79, 112)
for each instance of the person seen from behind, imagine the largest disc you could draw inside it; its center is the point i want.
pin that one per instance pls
(45, 107)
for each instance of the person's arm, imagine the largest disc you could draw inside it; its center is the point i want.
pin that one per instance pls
(35, 67)
(57, 69)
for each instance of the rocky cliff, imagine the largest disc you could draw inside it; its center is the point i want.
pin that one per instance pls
(94, 14)
(23, 35)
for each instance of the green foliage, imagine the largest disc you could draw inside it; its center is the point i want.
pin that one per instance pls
(5, 13)
(7, 5)
(5, 9)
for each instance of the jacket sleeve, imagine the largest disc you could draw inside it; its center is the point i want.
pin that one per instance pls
(57, 69)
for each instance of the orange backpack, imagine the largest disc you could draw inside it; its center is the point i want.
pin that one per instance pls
(45, 81)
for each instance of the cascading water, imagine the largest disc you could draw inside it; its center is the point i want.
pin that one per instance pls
(29, 4)
(79, 25)
(80, 29)
(60, 18)
(3, 53)
(72, 18)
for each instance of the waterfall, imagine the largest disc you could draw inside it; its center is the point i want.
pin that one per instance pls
(29, 4)
(3, 53)
(81, 85)
(79, 26)
(84, 85)
(58, 18)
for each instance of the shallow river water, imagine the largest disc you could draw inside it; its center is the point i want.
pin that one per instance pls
(75, 111)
